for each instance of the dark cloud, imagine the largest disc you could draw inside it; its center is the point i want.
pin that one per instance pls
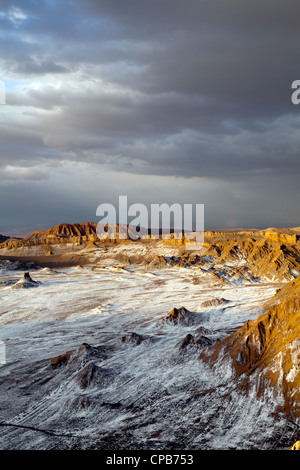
(143, 89)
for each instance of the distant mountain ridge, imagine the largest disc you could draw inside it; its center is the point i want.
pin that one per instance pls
(85, 232)
(289, 235)
(276, 250)
(66, 230)
(234, 257)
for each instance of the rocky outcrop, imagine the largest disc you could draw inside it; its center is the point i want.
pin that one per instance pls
(235, 258)
(77, 357)
(179, 316)
(260, 258)
(195, 342)
(81, 367)
(213, 303)
(62, 233)
(283, 236)
(135, 339)
(61, 360)
(264, 353)
(26, 282)
(65, 230)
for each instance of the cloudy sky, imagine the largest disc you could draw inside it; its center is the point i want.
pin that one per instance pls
(164, 101)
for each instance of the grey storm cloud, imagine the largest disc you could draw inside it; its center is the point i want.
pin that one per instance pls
(166, 88)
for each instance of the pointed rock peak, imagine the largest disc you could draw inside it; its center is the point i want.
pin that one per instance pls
(26, 282)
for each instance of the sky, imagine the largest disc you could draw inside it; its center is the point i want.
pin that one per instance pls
(164, 101)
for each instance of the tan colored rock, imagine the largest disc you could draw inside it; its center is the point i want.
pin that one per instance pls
(296, 446)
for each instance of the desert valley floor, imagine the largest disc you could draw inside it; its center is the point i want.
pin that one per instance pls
(95, 360)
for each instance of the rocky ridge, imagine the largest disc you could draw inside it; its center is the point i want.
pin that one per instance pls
(264, 354)
(226, 257)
